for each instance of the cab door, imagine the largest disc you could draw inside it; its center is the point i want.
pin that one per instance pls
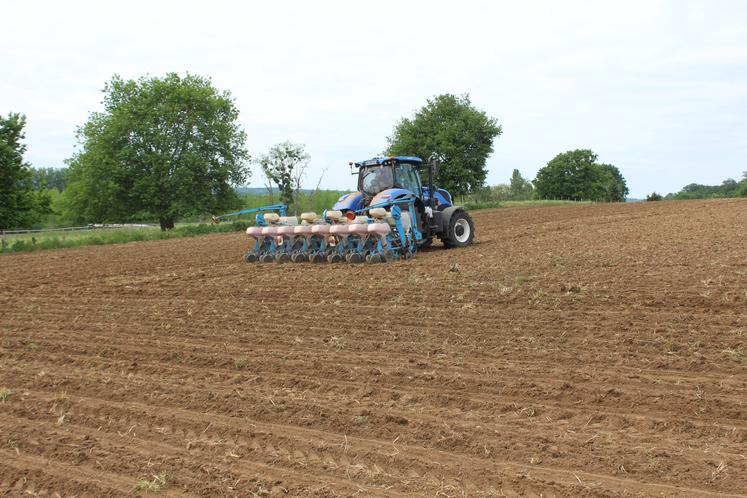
(407, 177)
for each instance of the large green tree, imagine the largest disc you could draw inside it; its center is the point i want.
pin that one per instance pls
(576, 175)
(453, 130)
(161, 148)
(614, 185)
(20, 205)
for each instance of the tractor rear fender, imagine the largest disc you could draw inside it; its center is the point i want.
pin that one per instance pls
(445, 219)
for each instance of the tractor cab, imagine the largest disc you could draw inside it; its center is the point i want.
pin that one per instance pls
(380, 174)
(390, 178)
(383, 178)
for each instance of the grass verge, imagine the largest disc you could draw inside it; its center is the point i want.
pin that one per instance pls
(43, 241)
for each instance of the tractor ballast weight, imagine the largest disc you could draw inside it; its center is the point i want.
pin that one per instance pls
(390, 217)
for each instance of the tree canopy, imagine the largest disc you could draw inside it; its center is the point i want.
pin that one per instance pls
(613, 184)
(453, 130)
(20, 205)
(162, 147)
(576, 175)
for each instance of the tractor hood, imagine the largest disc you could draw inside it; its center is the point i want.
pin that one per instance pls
(352, 201)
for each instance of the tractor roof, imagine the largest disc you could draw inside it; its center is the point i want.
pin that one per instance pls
(377, 161)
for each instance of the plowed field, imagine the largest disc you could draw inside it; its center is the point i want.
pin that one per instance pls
(571, 351)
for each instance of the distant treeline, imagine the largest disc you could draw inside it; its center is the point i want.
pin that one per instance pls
(44, 178)
(728, 188)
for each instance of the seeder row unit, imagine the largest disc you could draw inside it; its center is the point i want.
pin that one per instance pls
(378, 233)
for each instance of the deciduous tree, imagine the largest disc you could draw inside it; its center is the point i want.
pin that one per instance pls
(20, 205)
(460, 135)
(162, 147)
(614, 185)
(575, 175)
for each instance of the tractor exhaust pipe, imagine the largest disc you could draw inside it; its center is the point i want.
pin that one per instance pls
(431, 193)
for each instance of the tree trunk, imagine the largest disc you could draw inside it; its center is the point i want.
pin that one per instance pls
(166, 223)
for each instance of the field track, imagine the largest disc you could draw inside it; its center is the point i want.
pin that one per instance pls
(572, 351)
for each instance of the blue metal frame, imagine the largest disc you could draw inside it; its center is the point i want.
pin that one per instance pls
(406, 243)
(281, 208)
(408, 199)
(263, 246)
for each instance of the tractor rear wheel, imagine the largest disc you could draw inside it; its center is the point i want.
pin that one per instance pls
(461, 230)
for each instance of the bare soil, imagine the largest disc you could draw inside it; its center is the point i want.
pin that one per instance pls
(571, 351)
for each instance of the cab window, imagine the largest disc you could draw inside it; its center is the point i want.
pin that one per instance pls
(406, 177)
(376, 179)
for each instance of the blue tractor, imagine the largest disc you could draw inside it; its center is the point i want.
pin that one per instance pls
(397, 181)
(390, 217)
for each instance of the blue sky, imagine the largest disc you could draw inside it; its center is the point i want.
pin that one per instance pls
(658, 88)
